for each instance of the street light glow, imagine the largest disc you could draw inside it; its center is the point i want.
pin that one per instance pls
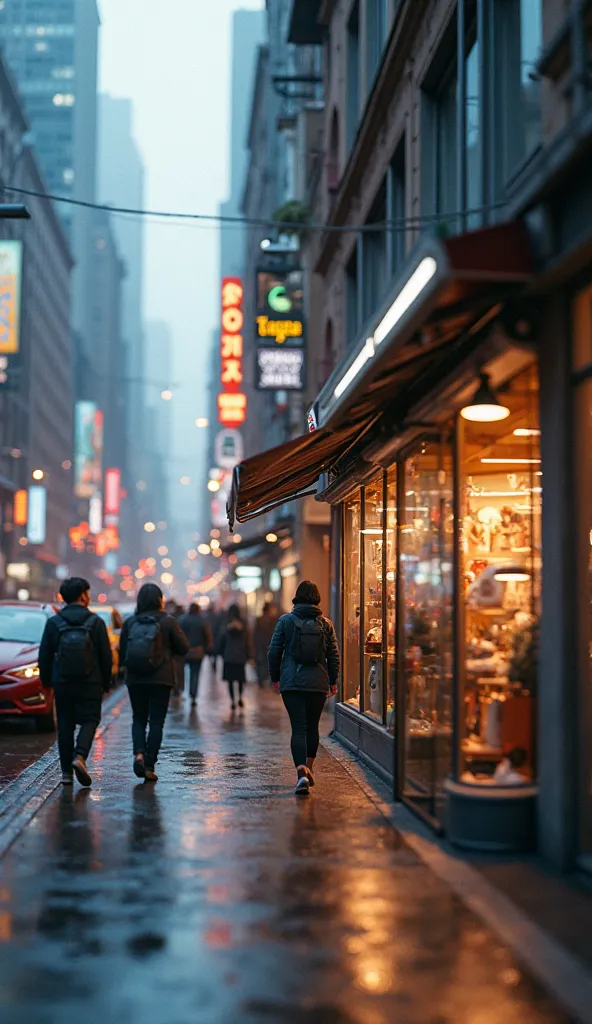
(163, 550)
(166, 563)
(185, 481)
(167, 578)
(166, 395)
(38, 474)
(215, 545)
(149, 527)
(202, 422)
(213, 486)
(204, 549)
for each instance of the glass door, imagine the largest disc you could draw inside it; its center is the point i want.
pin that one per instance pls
(426, 629)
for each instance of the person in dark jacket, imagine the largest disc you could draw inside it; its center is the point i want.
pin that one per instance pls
(304, 668)
(236, 648)
(150, 641)
(201, 643)
(75, 637)
(263, 633)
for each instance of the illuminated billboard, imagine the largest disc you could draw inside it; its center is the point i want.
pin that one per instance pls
(112, 503)
(11, 266)
(37, 521)
(88, 449)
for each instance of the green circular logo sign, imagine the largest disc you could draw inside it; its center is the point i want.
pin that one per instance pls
(279, 300)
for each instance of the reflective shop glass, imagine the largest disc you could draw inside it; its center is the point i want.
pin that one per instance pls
(427, 540)
(390, 611)
(502, 559)
(351, 601)
(373, 541)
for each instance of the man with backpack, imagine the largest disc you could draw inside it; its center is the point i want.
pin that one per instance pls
(75, 660)
(304, 667)
(150, 641)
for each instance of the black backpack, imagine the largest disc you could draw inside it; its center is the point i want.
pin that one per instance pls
(309, 643)
(76, 655)
(145, 647)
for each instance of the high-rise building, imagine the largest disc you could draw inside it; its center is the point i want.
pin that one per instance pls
(51, 49)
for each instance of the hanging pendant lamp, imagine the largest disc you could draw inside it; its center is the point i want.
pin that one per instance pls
(485, 406)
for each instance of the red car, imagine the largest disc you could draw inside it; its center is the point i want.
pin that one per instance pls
(21, 692)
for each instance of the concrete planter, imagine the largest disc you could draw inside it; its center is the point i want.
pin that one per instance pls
(492, 819)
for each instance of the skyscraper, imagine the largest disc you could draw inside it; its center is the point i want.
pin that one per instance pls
(51, 49)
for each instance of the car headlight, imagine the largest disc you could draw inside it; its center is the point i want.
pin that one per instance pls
(25, 672)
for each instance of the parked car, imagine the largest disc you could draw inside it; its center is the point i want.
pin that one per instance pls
(113, 621)
(21, 693)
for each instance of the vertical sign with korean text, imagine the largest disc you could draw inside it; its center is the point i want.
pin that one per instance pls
(232, 401)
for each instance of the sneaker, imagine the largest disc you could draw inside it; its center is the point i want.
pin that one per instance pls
(303, 784)
(81, 771)
(67, 779)
(241, 703)
(151, 775)
(139, 767)
(233, 707)
(193, 703)
(311, 778)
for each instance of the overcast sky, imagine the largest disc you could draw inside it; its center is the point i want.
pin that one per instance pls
(173, 61)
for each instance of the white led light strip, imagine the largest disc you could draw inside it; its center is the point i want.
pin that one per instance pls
(406, 297)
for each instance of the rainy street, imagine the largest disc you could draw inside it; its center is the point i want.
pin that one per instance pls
(216, 896)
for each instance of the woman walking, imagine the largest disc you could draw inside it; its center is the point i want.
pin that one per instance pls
(236, 648)
(201, 642)
(150, 640)
(304, 667)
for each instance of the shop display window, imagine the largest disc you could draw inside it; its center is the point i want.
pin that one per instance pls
(426, 538)
(501, 553)
(352, 525)
(373, 551)
(391, 595)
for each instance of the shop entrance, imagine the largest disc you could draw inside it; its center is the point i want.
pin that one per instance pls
(425, 633)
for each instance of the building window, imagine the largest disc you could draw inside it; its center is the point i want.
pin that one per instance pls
(502, 564)
(376, 17)
(374, 256)
(351, 601)
(473, 137)
(397, 200)
(333, 174)
(518, 39)
(390, 610)
(439, 147)
(352, 299)
(353, 75)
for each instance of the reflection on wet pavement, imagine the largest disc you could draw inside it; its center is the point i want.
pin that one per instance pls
(20, 746)
(217, 897)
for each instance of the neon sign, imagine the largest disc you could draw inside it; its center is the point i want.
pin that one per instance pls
(232, 403)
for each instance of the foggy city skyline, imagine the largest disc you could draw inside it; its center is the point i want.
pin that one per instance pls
(176, 72)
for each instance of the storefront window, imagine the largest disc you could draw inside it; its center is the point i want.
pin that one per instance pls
(391, 579)
(582, 354)
(372, 534)
(351, 601)
(501, 542)
(426, 566)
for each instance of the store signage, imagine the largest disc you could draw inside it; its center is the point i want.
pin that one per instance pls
(112, 506)
(312, 419)
(229, 448)
(88, 451)
(11, 265)
(37, 520)
(20, 508)
(95, 514)
(280, 330)
(280, 369)
(279, 292)
(232, 403)
(20, 571)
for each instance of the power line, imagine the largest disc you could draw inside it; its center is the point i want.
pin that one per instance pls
(402, 224)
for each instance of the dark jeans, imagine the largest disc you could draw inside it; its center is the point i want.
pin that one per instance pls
(241, 687)
(305, 709)
(150, 703)
(76, 707)
(194, 670)
(179, 669)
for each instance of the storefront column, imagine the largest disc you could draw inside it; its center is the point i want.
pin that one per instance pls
(557, 686)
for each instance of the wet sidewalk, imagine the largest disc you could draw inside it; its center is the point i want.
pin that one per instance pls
(217, 897)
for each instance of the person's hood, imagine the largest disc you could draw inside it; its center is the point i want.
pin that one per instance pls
(307, 611)
(236, 626)
(75, 614)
